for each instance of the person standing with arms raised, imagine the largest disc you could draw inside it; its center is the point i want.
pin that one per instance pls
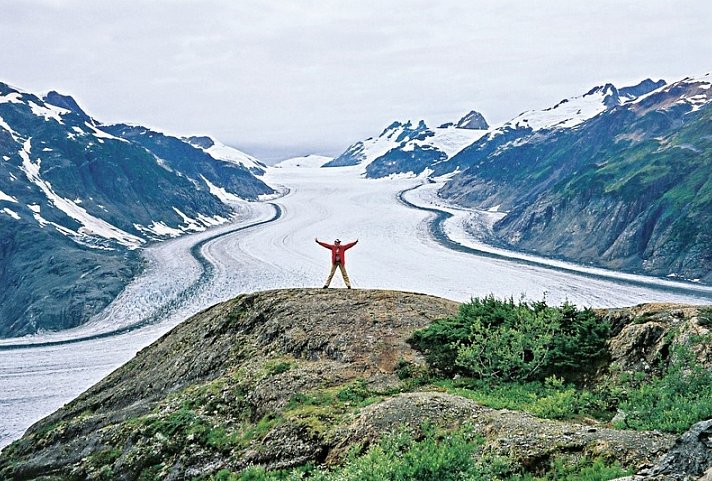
(338, 259)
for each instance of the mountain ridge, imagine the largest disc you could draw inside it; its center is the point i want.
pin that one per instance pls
(76, 201)
(411, 147)
(633, 174)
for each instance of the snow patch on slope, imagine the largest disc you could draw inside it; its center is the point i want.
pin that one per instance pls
(6, 126)
(48, 111)
(11, 213)
(7, 198)
(160, 229)
(449, 140)
(224, 196)
(90, 225)
(12, 98)
(100, 134)
(220, 151)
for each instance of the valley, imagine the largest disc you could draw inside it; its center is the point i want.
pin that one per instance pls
(262, 250)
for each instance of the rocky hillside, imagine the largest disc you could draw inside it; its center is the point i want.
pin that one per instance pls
(283, 378)
(634, 170)
(77, 198)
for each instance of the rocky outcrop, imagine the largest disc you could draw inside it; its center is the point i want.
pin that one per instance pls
(530, 441)
(237, 365)
(644, 336)
(282, 378)
(689, 459)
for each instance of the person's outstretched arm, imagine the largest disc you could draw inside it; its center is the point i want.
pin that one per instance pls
(350, 244)
(323, 244)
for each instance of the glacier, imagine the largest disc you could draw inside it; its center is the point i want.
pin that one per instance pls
(270, 245)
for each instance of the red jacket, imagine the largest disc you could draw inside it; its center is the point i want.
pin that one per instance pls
(338, 252)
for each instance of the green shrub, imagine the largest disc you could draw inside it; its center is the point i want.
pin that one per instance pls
(584, 470)
(438, 456)
(580, 343)
(551, 399)
(672, 402)
(401, 457)
(177, 425)
(493, 338)
(354, 392)
(276, 366)
(517, 349)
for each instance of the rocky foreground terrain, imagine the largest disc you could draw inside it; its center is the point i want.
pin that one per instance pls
(283, 378)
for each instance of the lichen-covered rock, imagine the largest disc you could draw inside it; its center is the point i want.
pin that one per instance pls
(212, 393)
(530, 441)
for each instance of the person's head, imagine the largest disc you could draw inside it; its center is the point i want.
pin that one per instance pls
(337, 241)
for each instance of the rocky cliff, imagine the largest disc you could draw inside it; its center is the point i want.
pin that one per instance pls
(283, 378)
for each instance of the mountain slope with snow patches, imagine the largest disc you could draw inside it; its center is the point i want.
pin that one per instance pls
(534, 125)
(77, 198)
(630, 165)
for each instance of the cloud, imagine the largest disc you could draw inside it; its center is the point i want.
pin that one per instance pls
(277, 75)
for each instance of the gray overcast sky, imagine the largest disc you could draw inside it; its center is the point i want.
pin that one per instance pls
(291, 77)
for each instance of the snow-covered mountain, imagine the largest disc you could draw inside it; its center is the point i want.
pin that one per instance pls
(78, 197)
(620, 180)
(473, 120)
(411, 147)
(534, 125)
(573, 111)
(414, 148)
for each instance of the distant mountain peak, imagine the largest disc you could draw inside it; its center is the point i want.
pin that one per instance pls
(399, 126)
(641, 88)
(607, 88)
(392, 127)
(225, 153)
(573, 111)
(66, 102)
(473, 120)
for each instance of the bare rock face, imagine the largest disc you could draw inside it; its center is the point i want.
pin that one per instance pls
(644, 335)
(689, 459)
